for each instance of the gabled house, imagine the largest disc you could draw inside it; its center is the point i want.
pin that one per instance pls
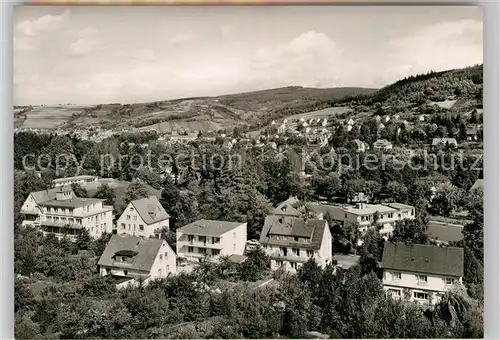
(143, 217)
(292, 241)
(209, 239)
(31, 209)
(421, 273)
(132, 259)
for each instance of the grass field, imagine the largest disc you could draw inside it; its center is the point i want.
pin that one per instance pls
(43, 117)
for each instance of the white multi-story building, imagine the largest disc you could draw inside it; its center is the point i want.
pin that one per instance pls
(421, 273)
(143, 217)
(291, 241)
(130, 259)
(208, 239)
(59, 212)
(384, 215)
(82, 180)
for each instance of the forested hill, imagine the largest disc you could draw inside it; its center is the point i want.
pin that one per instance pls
(465, 83)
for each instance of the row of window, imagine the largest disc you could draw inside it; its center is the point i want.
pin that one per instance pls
(289, 238)
(295, 252)
(141, 227)
(422, 278)
(205, 251)
(204, 239)
(416, 295)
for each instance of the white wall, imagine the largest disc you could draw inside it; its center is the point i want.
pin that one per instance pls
(231, 242)
(234, 241)
(435, 283)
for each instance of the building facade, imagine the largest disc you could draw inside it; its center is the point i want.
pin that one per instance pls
(291, 241)
(81, 180)
(59, 212)
(143, 217)
(421, 273)
(131, 259)
(209, 239)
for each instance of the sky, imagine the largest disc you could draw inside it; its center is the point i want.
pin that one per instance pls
(92, 55)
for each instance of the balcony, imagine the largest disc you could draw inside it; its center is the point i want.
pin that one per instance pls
(290, 256)
(199, 244)
(422, 283)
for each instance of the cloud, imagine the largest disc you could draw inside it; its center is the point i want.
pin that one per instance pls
(35, 27)
(22, 44)
(311, 59)
(89, 31)
(144, 55)
(441, 46)
(81, 47)
(179, 39)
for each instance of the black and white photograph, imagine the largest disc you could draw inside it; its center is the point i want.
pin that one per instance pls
(248, 172)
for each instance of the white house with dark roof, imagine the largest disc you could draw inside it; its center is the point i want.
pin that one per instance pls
(421, 273)
(291, 241)
(143, 217)
(59, 212)
(130, 259)
(209, 239)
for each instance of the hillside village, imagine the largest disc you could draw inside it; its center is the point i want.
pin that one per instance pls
(275, 245)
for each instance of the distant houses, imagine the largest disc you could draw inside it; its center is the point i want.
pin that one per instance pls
(421, 273)
(440, 142)
(80, 180)
(382, 144)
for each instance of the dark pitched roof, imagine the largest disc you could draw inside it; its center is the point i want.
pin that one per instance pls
(287, 208)
(424, 259)
(74, 202)
(145, 251)
(49, 194)
(209, 227)
(275, 225)
(150, 210)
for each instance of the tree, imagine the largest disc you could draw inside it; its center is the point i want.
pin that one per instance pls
(446, 199)
(136, 190)
(83, 240)
(105, 193)
(255, 265)
(410, 232)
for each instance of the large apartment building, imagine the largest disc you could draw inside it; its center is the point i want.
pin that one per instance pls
(143, 217)
(421, 273)
(385, 215)
(208, 239)
(58, 211)
(291, 241)
(130, 259)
